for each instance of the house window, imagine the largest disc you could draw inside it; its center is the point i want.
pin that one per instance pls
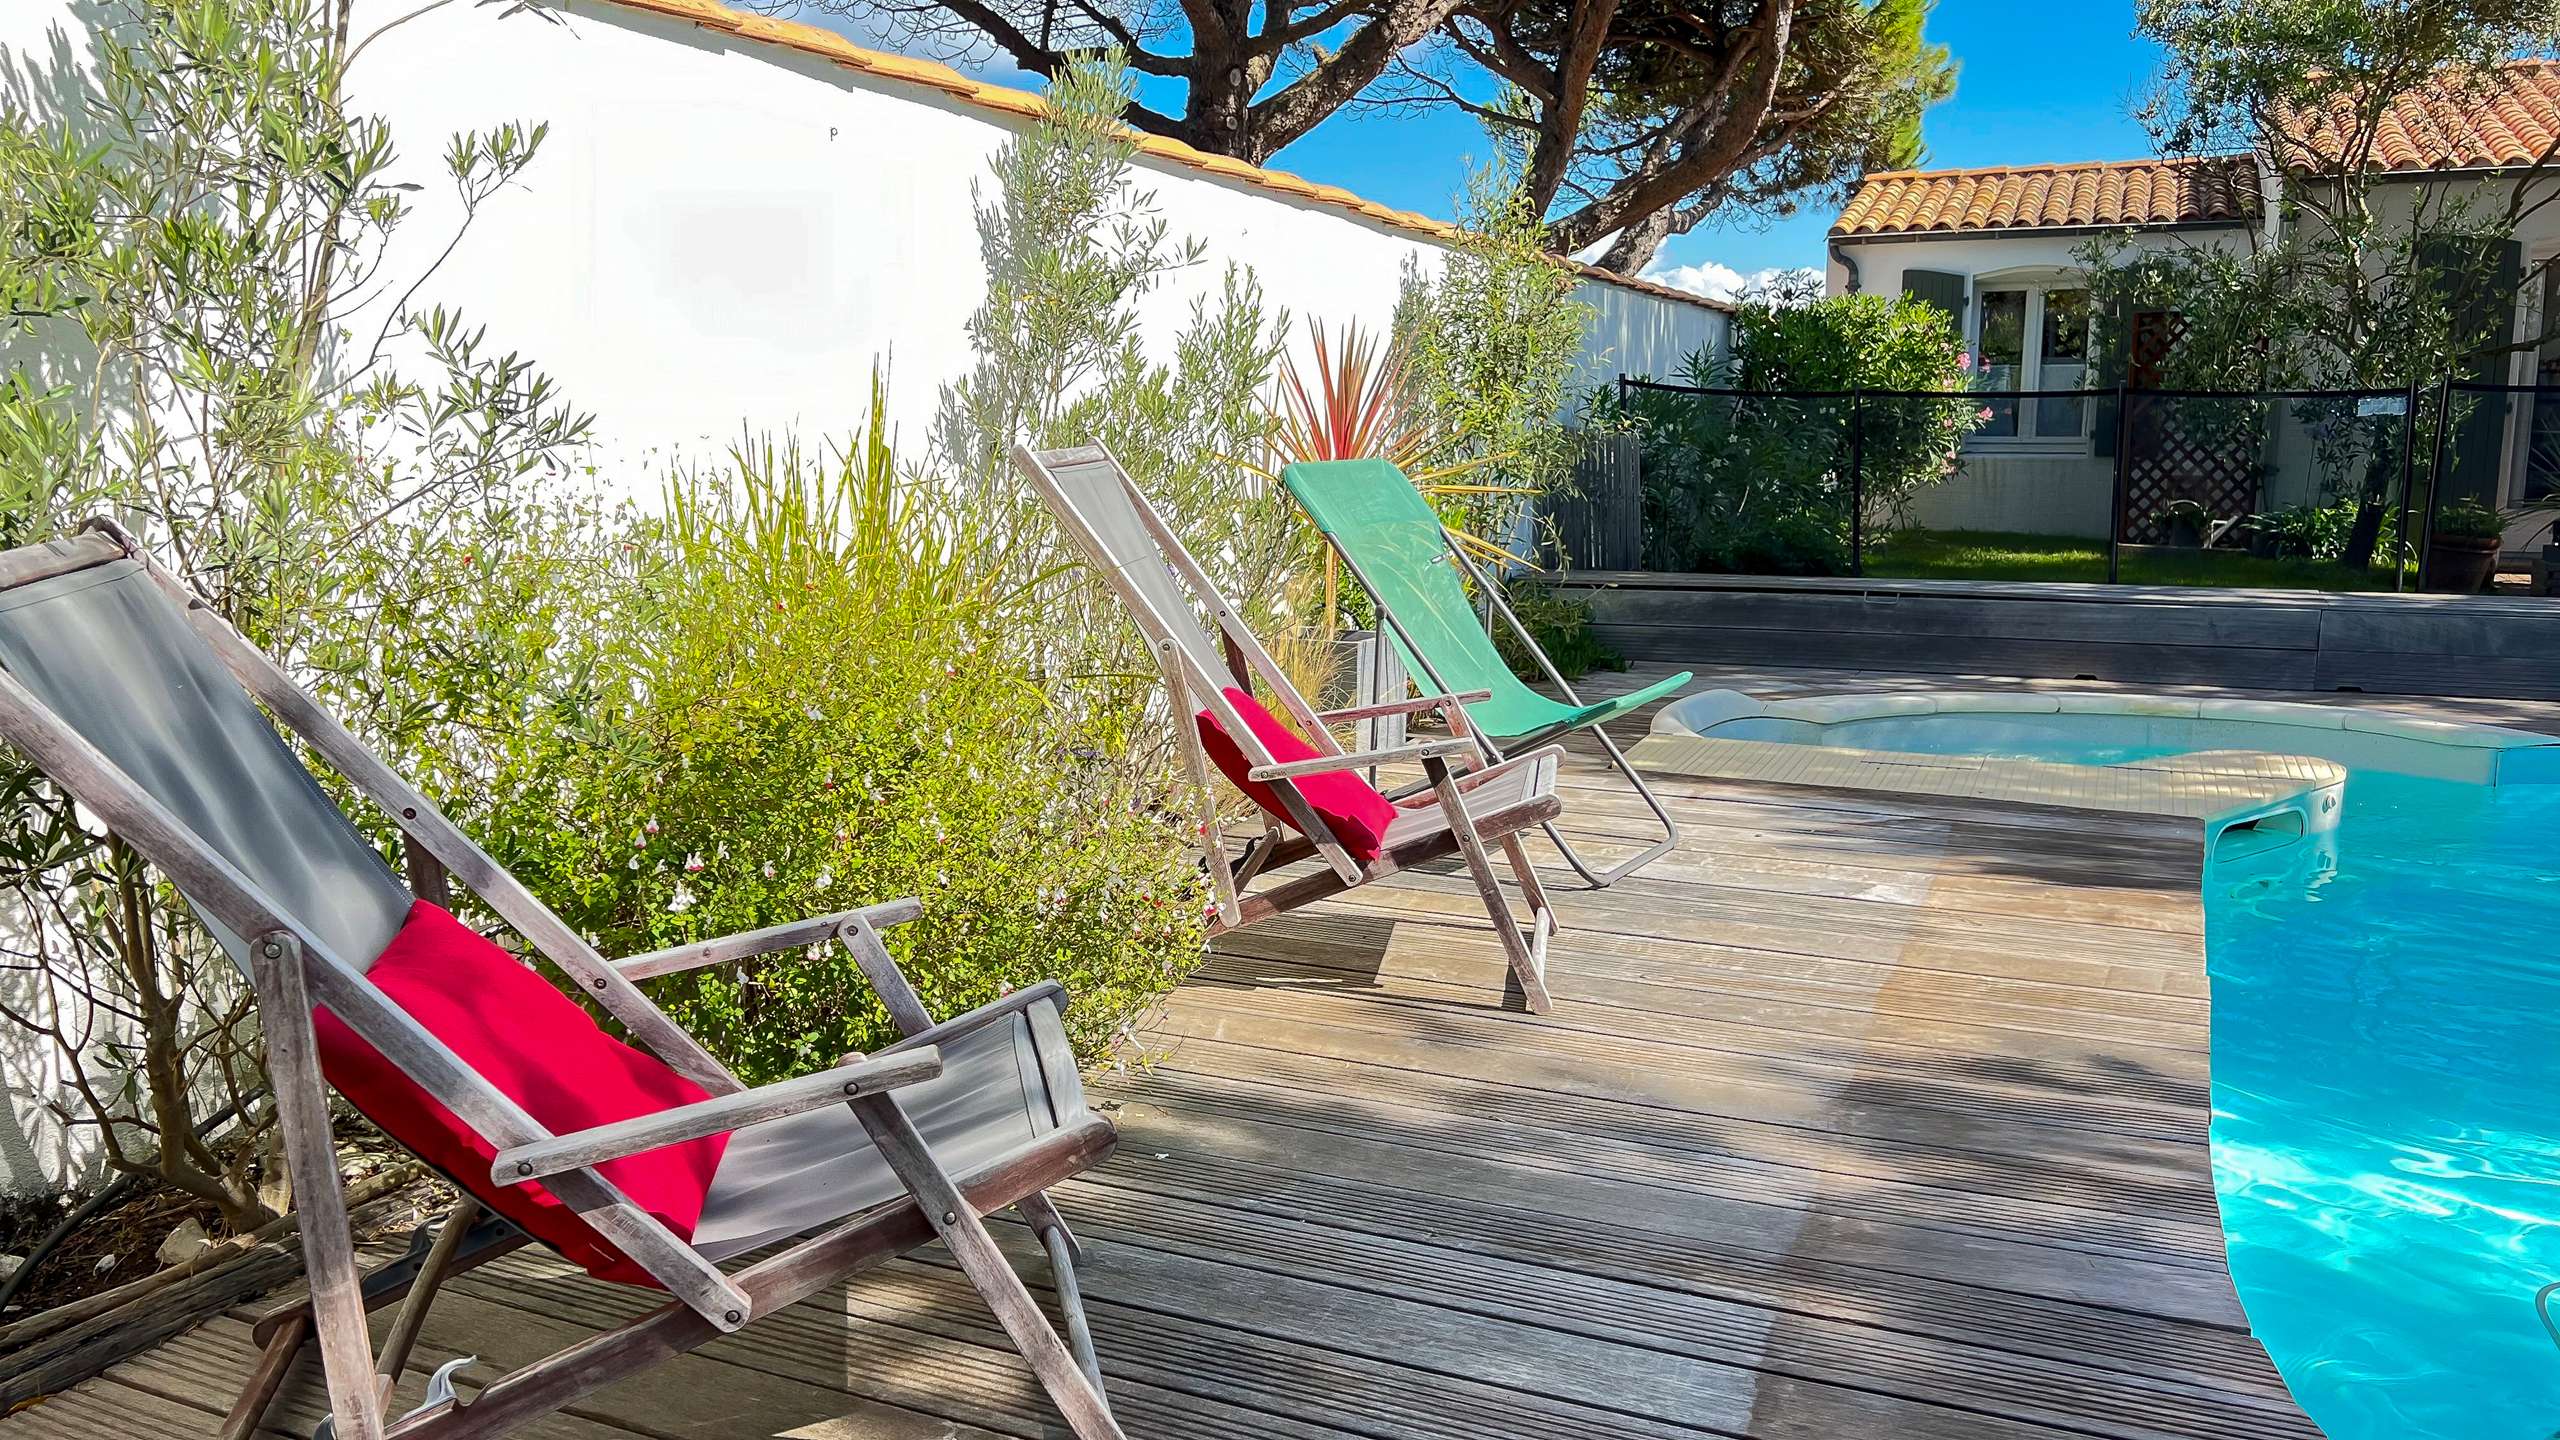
(2033, 338)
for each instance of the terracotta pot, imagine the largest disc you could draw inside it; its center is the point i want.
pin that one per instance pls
(2461, 564)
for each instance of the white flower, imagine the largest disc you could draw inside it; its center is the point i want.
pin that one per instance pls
(768, 870)
(681, 901)
(651, 827)
(826, 878)
(693, 863)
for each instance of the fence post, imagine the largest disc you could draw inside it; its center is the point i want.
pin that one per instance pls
(1857, 481)
(2408, 476)
(2124, 464)
(2435, 472)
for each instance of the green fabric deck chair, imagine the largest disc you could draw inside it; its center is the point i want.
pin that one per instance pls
(1397, 549)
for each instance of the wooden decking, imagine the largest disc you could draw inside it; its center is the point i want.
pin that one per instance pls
(1855, 1117)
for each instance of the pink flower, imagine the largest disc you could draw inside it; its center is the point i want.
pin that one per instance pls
(1982, 414)
(1964, 361)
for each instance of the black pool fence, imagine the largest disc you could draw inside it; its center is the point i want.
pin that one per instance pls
(2426, 487)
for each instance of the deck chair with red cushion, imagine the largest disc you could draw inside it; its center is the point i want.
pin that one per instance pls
(645, 1163)
(1315, 801)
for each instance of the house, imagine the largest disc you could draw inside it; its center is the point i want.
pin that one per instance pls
(1997, 248)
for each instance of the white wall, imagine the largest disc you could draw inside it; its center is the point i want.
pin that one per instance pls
(2004, 484)
(1881, 262)
(723, 236)
(2039, 495)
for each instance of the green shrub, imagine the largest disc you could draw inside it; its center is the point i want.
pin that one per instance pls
(188, 215)
(817, 696)
(1489, 347)
(1761, 483)
(2468, 519)
(1561, 626)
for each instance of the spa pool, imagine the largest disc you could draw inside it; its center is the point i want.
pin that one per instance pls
(2385, 1042)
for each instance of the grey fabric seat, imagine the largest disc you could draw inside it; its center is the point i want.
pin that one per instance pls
(105, 649)
(1485, 793)
(1003, 1086)
(144, 705)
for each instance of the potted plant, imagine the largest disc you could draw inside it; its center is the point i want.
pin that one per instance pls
(2183, 522)
(2462, 547)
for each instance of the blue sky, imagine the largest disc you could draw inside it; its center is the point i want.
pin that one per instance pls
(2042, 81)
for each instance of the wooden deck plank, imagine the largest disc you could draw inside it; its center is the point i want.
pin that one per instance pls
(1858, 1115)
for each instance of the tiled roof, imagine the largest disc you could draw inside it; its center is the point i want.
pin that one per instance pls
(811, 40)
(2045, 197)
(2507, 118)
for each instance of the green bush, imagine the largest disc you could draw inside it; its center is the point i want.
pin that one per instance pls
(1761, 482)
(816, 695)
(2468, 519)
(1561, 626)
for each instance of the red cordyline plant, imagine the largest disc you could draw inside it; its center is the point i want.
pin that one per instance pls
(1358, 407)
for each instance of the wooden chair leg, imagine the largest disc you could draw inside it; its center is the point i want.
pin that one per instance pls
(1532, 888)
(275, 1361)
(328, 1245)
(1527, 951)
(1063, 1252)
(1071, 1389)
(1041, 1213)
(422, 1293)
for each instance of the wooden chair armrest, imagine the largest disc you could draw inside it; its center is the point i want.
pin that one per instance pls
(1403, 707)
(1361, 759)
(816, 930)
(958, 1025)
(597, 1144)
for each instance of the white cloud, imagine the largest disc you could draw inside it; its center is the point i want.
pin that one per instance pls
(1721, 282)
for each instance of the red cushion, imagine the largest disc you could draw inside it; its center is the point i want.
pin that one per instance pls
(1354, 809)
(541, 1048)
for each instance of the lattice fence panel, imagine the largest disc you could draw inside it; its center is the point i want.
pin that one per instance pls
(2170, 461)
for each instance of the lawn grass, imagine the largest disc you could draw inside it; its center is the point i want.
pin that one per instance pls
(2005, 555)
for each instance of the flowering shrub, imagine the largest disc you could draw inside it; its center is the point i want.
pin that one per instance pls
(1761, 482)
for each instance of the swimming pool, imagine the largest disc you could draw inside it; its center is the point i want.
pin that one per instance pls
(2386, 1049)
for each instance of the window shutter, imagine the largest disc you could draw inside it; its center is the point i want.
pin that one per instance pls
(1940, 288)
(2477, 279)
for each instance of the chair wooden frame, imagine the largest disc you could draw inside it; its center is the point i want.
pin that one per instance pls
(291, 971)
(1195, 682)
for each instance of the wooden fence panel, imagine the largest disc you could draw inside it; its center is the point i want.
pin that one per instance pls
(1600, 526)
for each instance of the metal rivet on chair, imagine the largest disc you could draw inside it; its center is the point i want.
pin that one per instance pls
(853, 1087)
(408, 812)
(950, 1217)
(599, 982)
(524, 1167)
(733, 1316)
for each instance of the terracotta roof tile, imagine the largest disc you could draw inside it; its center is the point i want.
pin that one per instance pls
(810, 39)
(2040, 197)
(2506, 117)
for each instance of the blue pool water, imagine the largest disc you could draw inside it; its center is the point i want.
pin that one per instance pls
(2386, 1097)
(2386, 1088)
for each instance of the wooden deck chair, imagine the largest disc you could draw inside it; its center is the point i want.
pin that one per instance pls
(1315, 803)
(1398, 550)
(142, 704)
